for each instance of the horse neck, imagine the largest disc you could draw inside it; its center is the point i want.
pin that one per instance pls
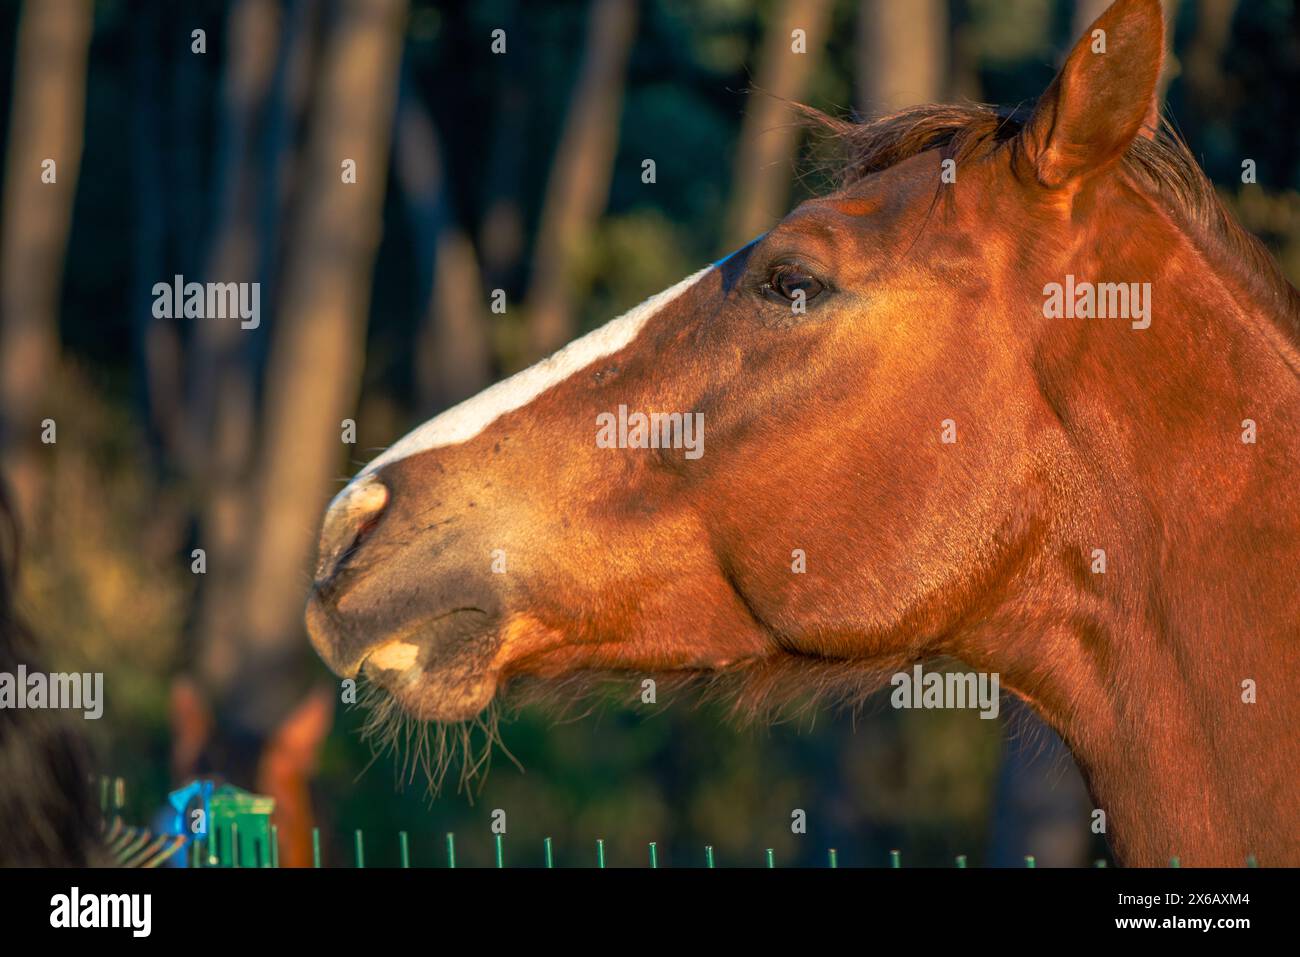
(1142, 668)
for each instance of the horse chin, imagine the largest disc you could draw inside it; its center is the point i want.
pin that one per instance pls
(443, 697)
(446, 673)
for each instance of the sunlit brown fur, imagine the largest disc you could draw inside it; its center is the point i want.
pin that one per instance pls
(823, 433)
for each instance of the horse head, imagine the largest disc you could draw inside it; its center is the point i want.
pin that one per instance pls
(908, 421)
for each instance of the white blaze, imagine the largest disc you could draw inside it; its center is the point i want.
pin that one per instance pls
(462, 422)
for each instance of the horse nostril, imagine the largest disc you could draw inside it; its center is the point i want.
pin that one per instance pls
(349, 519)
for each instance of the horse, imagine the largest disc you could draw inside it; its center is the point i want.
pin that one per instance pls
(48, 814)
(908, 451)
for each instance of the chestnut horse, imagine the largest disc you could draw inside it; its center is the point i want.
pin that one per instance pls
(910, 453)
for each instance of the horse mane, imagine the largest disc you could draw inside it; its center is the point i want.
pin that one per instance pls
(1163, 164)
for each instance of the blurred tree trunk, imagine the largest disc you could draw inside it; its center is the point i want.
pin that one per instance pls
(902, 54)
(157, 368)
(769, 135)
(452, 354)
(263, 96)
(291, 96)
(314, 371)
(46, 122)
(964, 82)
(221, 429)
(578, 187)
(1207, 89)
(1172, 66)
(501, 232)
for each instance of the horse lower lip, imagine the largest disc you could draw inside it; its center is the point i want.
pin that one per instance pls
(405, 652)
(426, 698)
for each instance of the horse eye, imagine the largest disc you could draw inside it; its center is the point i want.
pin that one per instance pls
(788, 281)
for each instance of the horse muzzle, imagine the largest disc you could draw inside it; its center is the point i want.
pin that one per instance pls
(410, 611)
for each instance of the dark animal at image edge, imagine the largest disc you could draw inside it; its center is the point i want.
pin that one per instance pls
(925, 303)
(48, 816)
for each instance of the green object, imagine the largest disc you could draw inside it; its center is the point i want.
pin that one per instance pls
(239, 826)
(451, 849)
(360, 844)
(832, 858)
(771, 858)
(961, 860)
(708, 855)
(275, 846)
(405, 842)
(654, 855)
(501, 850)
(315, 847)
(600, 852)
(1250, 861)
(1099, 862)
(546, 847)
(895, 858)
(1173, 862)
(1029, 861)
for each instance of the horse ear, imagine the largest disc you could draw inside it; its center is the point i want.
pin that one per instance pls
(1103, 97)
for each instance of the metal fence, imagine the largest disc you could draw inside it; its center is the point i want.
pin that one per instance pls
(239, 834)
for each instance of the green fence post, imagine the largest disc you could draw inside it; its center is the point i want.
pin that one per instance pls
(501, 850)
(405, 843)
(1029, 861)
(895, 858)
(451, 849)
(771, 858)
(547, 853)
(359, 843)
(275, 846)
(833, 859)
(600, 852)
(708, 855)
(961, 860)
(315, 847)
(654, 855)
